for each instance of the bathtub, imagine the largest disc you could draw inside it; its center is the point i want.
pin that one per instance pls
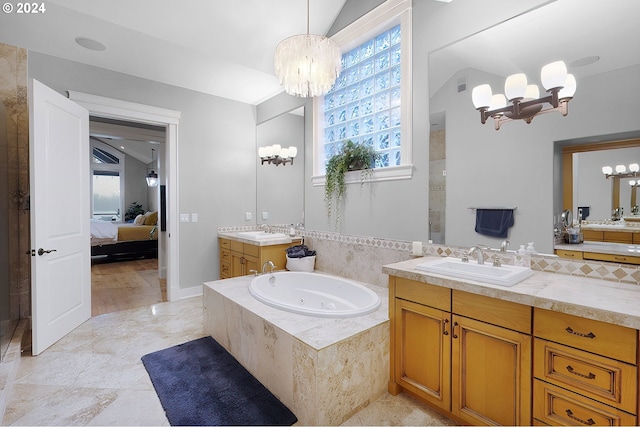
(314, 294)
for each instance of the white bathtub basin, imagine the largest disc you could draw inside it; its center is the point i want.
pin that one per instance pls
(505, 275)
(314, 294)
(260, 235)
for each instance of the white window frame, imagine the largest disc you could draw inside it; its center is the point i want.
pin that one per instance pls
(380, 19)
(111, 168)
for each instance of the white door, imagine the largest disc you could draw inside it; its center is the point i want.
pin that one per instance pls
(60, 236)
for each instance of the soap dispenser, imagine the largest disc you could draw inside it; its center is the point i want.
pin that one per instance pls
(530, 247)
(522, 250)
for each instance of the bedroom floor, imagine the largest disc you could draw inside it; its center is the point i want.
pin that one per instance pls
(123, 285)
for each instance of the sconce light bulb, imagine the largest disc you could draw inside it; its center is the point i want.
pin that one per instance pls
(515, 86)
(554, 75)
(569, 88)
(276, 149)
(262, 152)
(634, 167)
(532, 92)
(632, 183)
(481, 96)
(621, 168)
(607, 170)
(293, 151)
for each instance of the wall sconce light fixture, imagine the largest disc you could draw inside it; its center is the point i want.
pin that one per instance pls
(525, 98)
(276, 155)
(152, 177)
(621, 171)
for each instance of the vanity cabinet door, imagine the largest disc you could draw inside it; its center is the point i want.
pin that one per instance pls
(491, 373)
(423, 352)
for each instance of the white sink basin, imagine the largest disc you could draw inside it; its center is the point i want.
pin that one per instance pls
(260, 235)
(505, 275)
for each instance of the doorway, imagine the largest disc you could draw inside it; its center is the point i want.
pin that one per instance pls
(125, 273)
(108, 109)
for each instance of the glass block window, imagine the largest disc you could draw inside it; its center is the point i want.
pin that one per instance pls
(364, 104)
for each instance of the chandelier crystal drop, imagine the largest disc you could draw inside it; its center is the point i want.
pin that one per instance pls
(307, 65)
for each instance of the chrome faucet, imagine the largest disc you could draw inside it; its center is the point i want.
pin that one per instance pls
(503, 246)
(475, 250)
(265, 228)
(269, 264)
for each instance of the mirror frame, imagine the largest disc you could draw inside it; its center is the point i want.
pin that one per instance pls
(567, 167)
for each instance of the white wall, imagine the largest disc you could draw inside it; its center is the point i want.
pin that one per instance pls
(514, 166)
(400, 209)
(216, 153)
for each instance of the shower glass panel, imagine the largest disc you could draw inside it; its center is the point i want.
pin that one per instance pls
(8, 235)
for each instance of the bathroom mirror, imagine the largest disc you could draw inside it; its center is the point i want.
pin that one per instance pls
(524, 44)
(280, 189)
(591, 189)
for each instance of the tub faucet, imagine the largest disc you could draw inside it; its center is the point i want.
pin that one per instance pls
(474, 250)
(269, 264)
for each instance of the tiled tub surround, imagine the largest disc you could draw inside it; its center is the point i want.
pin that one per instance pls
(324, 370)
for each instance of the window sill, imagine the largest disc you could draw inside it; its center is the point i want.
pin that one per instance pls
(391, 173)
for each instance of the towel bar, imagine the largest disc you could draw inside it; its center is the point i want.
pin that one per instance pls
(491, 207)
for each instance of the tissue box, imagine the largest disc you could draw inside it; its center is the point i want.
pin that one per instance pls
(301, 264)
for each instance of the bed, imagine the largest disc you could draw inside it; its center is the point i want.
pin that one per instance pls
(125, 240)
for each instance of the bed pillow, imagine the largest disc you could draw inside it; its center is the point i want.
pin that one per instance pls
(151, 218)
(139, 220)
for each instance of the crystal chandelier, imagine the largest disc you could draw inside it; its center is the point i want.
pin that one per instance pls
(307, 65)
(525, 104)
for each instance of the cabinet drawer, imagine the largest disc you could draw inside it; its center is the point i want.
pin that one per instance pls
(225, 270)
(612, 258)
(224, 244)
(617, 237)
(596, 236)
(597, 377)
(236, 246)
(617, 342)
(556, 406)
(491, 310)
(568, 254)
(225, 255)
(252, 250)
(423, 293)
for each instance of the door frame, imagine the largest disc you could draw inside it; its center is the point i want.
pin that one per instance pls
(111, 108)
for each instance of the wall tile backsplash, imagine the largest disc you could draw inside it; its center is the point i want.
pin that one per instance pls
(361, 258)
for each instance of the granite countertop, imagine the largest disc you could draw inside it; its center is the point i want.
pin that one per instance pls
(602, 248)
(235, 235)
(610, 302)
(626, 226)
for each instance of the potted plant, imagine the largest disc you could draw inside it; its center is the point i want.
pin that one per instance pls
(351, 157)
(133, 211)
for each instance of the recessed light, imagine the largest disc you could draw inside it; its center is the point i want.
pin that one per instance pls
(90, 44)
(585, 61)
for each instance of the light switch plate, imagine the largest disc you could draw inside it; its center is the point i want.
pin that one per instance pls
(247, 216)
(194, 217)
(184, 217)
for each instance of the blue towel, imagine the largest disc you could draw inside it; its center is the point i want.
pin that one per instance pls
(494, 222)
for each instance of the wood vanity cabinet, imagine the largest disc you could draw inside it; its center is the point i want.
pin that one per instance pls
(585, 371)
(238, 258)
(597, 256)
(467, 355)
